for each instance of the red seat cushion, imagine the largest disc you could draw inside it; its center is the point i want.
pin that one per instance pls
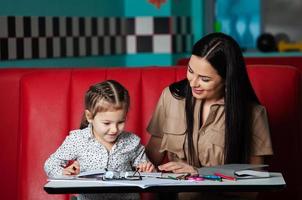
(9, 143)
(52, 104)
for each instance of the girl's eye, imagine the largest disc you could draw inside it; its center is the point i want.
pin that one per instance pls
(106, 123)
(190, 70)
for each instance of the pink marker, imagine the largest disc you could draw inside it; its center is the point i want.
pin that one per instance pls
(195, 178)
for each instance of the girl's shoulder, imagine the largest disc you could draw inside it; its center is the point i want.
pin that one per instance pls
(130, 137)
(80, 133)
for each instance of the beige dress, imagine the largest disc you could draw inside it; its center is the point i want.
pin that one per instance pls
(168, 122)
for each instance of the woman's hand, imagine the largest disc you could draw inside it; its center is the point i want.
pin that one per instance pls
(178, 167)
(146, 167)
(73, 169)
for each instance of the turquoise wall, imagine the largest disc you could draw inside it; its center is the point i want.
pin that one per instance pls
(144, 8)
(198, 18)
(169, 8)
(128, 8)
(61, 8)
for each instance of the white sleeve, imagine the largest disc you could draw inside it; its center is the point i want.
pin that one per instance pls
(55, 164)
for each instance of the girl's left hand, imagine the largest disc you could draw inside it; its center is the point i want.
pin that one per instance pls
(72, 169)
(178, 167)
(146, 167)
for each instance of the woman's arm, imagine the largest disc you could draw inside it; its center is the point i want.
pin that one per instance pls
(257, 160)
(152, 150)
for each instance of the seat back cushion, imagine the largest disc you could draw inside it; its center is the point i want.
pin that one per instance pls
(52, 105)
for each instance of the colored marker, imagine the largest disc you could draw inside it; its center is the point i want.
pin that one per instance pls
(212, 177)
(225, 176)
(195, 178)
(171, 177)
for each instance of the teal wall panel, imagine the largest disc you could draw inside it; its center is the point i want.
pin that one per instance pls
(181, 8)
(61, 8)
(102, 8)
(92, 61)
(144, 8)
(198, 19)
(148, 60)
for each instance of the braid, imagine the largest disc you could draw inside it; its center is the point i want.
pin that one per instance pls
(104, 96)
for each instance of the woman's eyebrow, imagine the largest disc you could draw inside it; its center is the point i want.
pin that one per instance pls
(204, 76)
(198, 74)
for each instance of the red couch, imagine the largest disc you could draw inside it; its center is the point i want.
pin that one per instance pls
(39, 106)
(295, 61)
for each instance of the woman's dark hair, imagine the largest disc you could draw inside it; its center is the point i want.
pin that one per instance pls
(105, 96)
(225, 55)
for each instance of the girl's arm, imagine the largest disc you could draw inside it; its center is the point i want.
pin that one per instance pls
(56, 163)
(72, 169)
(140, 161)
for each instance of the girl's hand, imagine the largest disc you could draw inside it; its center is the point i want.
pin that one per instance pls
(73, 169)
(178, 167)
(146, 167)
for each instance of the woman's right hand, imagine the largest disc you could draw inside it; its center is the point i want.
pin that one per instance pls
(146, 167)
(178, 167)
(73, 169)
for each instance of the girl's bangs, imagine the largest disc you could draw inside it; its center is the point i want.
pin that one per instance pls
(104, 106)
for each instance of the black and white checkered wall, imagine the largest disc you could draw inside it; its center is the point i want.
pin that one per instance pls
(53, 37)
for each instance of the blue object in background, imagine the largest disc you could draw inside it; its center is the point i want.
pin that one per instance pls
(240, 19)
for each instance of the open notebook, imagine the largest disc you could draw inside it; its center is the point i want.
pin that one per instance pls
(98, 174)
(236, 171)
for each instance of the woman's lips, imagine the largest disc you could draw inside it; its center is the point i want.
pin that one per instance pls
(196, 91)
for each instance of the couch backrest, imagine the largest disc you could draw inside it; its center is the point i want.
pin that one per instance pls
(295, 61)
(9, 143)
(52, 104)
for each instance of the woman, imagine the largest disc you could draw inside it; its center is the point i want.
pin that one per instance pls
(211, 118)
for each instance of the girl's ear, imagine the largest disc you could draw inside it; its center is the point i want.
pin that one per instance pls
(88, 115)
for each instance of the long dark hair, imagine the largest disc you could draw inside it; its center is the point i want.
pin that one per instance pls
(225, 55)
(104, 96)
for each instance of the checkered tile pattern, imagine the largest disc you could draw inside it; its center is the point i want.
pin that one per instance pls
(54, 37)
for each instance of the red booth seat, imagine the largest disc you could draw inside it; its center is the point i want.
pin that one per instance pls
(295, 61)
(50, 103)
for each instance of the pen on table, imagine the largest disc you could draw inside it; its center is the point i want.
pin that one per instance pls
(225, 176)
(171, 177)
(212, 177)
(183, 176)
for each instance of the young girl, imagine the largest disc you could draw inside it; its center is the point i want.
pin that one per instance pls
(101, 142)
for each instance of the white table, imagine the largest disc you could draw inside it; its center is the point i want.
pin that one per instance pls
(275, 182)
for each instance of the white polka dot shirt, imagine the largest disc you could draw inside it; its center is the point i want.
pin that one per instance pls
(82, 146)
